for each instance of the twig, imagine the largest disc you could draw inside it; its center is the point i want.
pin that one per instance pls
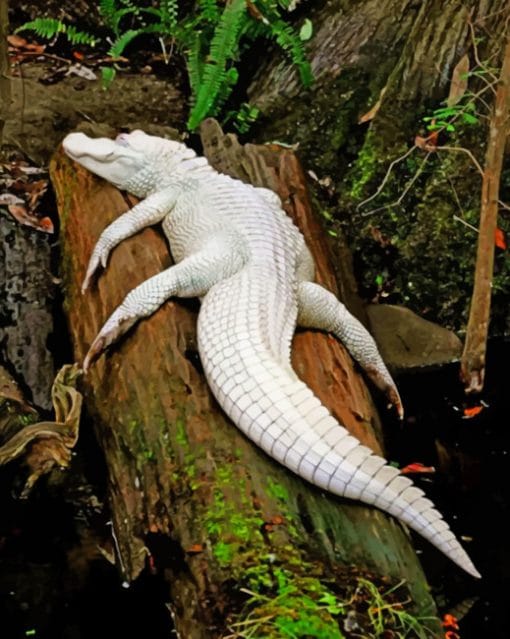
(473, 357)
(462, 150)
(462, 221)
(387, 176)
(475, 50)
(404, 192)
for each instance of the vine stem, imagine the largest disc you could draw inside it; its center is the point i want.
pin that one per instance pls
(473, 357)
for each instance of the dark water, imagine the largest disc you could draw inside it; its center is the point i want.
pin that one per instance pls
(471, 486)
(53, 585)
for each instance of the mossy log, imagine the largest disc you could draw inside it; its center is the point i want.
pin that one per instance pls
(218, 515)
(5, 87)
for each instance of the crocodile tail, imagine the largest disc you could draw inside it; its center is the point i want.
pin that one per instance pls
(277, 411)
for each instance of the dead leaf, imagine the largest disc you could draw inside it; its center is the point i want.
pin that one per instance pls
(459, 83)
(36, 190)
(417, 468)
(471, 412)
(370, 115)
(10, 199)
(195, 549)
(500, 239)
(427, 144)
(16, 41)
(49, 443)
(81, 71)
(21, 215)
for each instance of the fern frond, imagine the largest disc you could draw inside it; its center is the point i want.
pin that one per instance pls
(118, 46)
(195, 65)
(209, 11)
(108, 8)
(50, 27)
(292, 46)
(224, 48)
(169, 12)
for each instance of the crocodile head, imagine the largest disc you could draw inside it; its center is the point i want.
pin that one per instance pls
(135, 162)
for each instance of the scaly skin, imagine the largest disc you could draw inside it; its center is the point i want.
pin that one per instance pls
(236, 249)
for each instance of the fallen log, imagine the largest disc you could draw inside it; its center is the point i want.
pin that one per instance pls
(231, 530)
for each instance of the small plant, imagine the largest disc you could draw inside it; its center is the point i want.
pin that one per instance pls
(386, 614)
(51, 27)
(212, 36)
(445, 117)
(296, 607)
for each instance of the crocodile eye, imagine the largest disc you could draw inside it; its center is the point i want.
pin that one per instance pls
(122, 139)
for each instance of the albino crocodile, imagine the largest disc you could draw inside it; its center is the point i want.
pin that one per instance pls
(235, 248)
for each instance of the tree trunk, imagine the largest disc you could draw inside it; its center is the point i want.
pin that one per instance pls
(5, 88)
(475, 348)
(394, 58)
(219, 517)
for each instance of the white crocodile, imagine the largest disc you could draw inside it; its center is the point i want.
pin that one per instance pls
(235, 248)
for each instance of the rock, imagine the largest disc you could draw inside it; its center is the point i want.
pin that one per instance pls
(408, 341)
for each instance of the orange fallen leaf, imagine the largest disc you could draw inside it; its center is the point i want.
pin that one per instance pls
(500, 239)
(16, 40)
(195, 548)
(417, 467)
(21, 215)
(78, 55)
(471, 412)
(450, 621)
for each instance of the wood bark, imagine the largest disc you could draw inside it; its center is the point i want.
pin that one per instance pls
(216, 513)
(28, 291)
(398, 55)
(5, 87)
(475, 347)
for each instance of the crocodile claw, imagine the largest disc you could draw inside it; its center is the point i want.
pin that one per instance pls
(98, 346)
(109, 334)
(388, 388)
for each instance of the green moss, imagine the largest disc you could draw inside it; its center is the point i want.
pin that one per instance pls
(366, 168)
(230, 529)
(278, 491)
(322, 121)
(419, 250)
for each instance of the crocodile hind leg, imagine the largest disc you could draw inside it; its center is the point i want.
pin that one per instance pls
(192, 277)
(318, 308)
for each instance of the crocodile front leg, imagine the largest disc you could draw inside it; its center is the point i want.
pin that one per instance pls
(150, 211)
(193, 277)
(318, 308)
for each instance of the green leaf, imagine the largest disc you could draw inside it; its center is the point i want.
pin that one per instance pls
(468, 118)
(107, 76)
(306, 31)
